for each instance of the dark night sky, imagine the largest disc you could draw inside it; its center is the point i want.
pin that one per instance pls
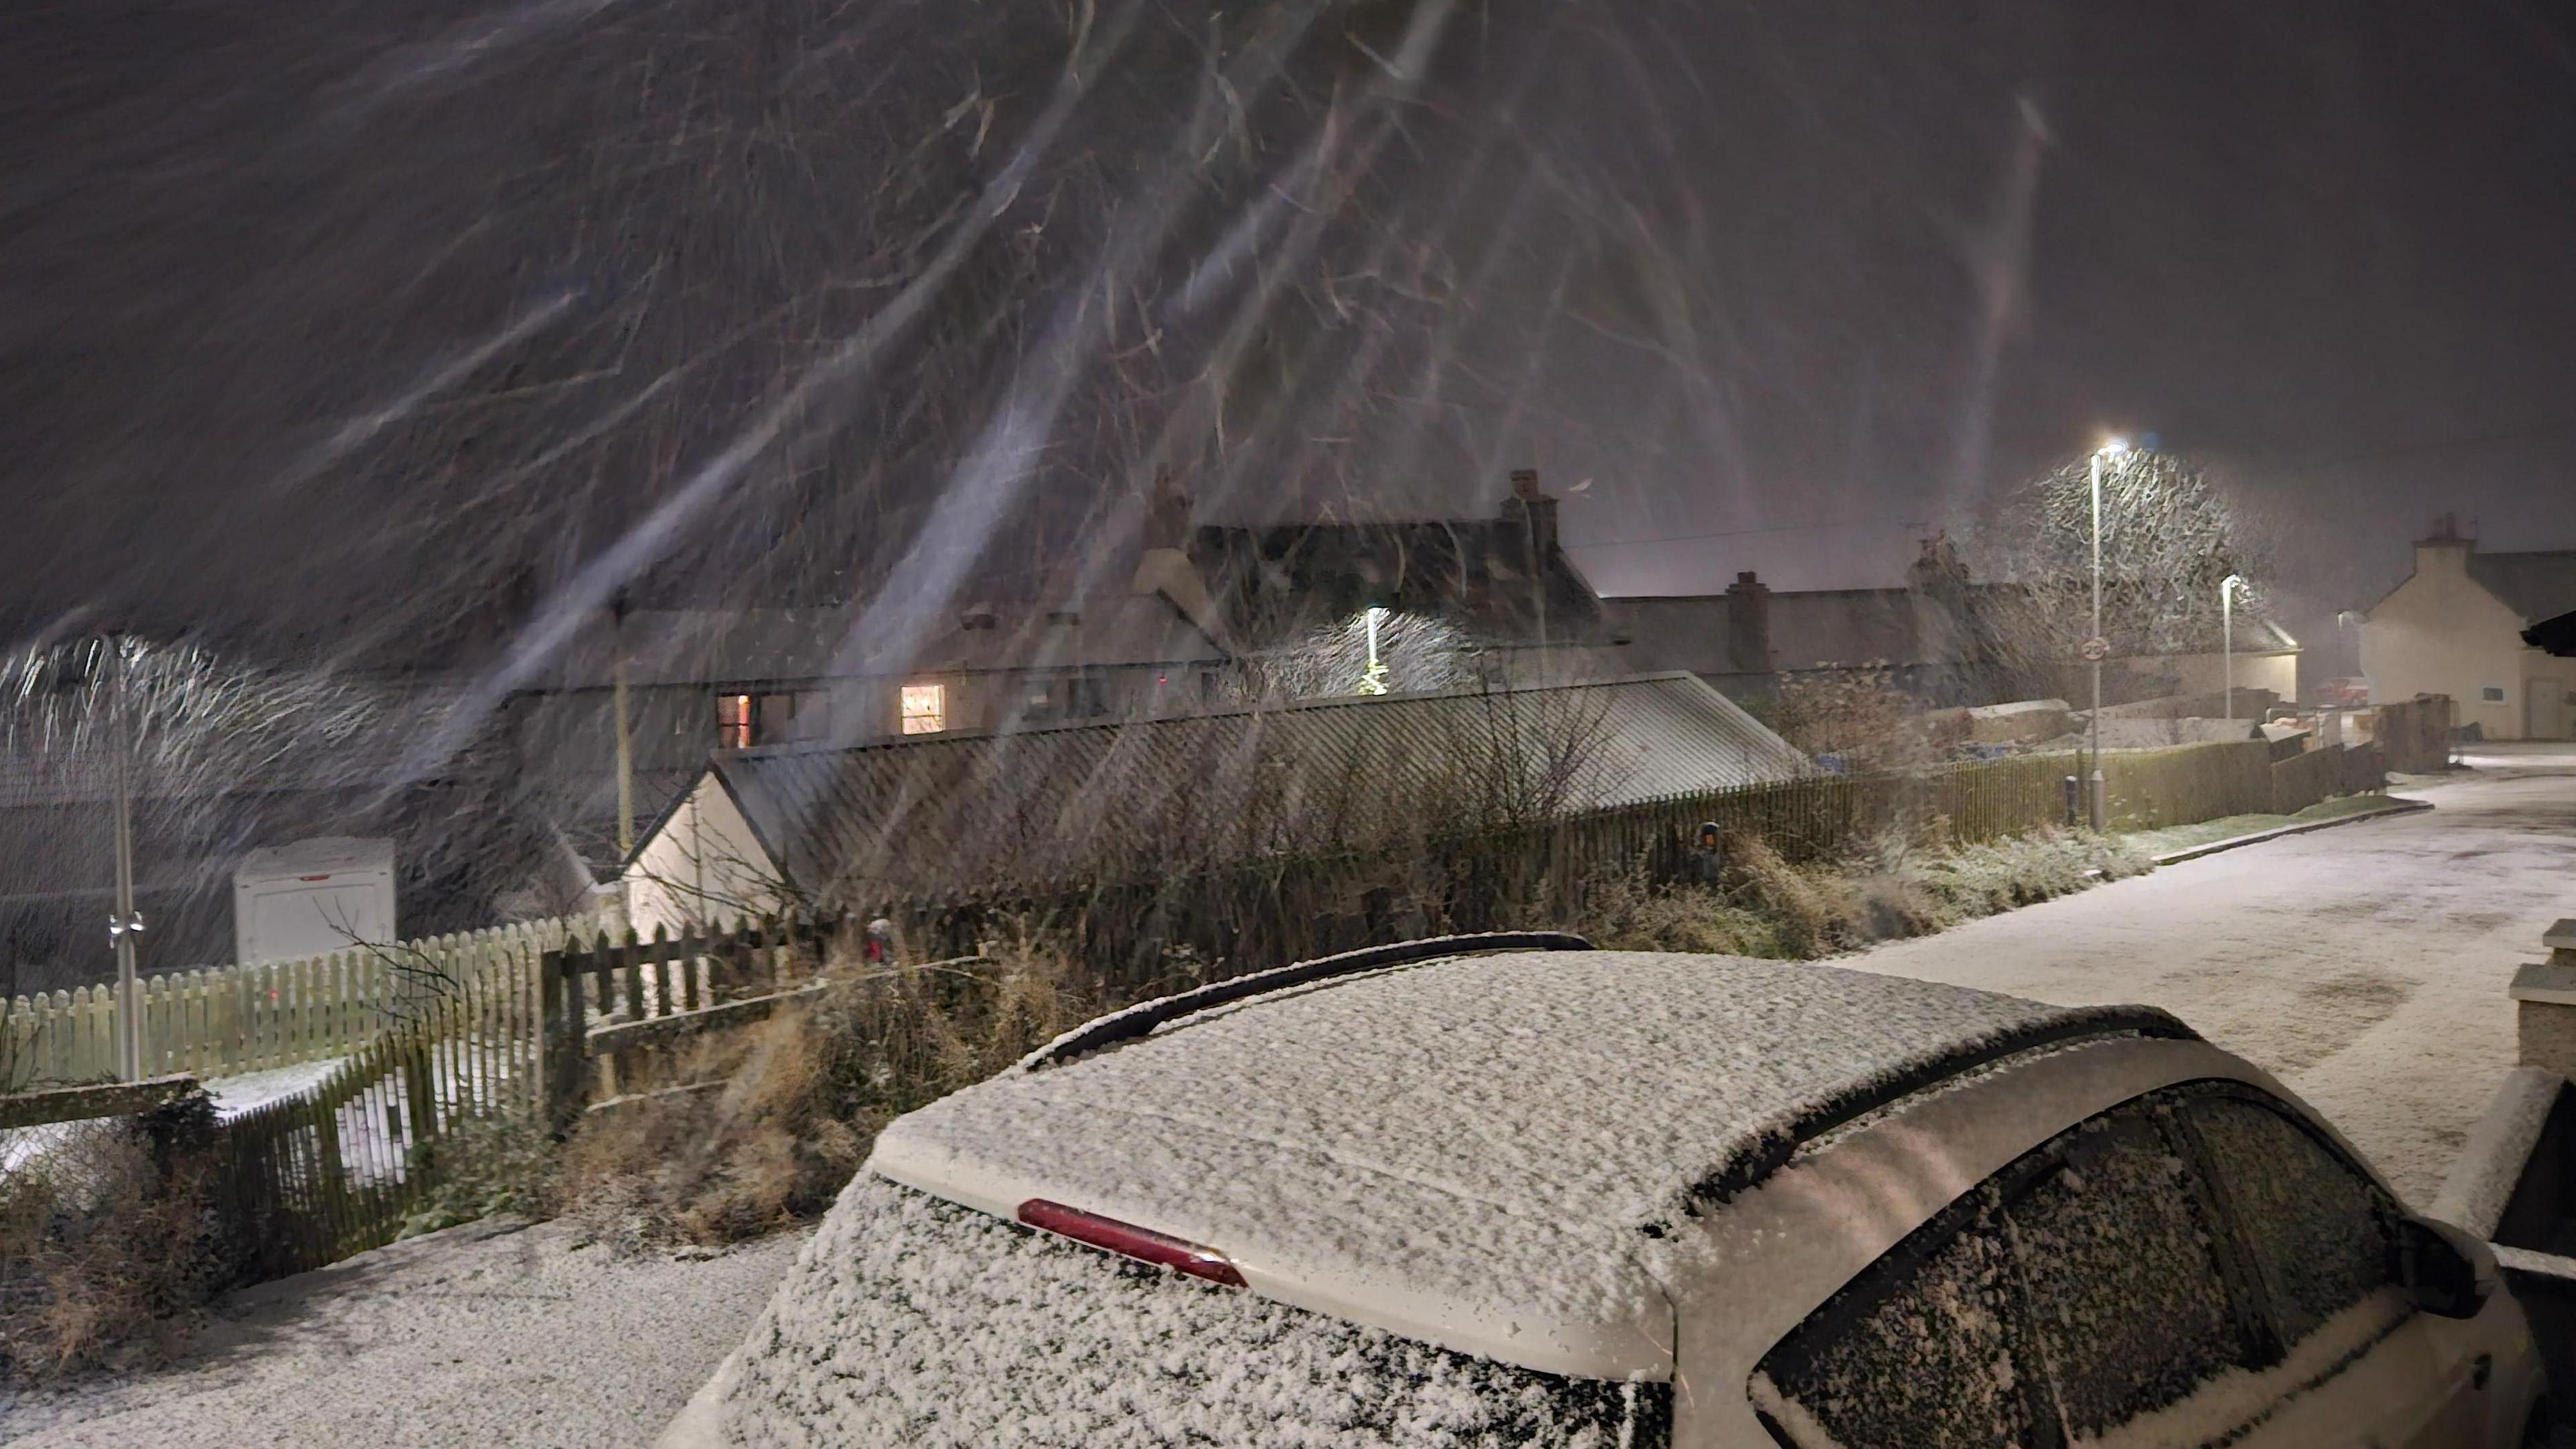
(292, 302)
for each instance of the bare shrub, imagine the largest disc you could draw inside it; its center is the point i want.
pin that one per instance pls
(109, 1248)
(502, 1163)
(1981, 880)
(1858, 714)
(1904, 884)
(1629, 912)
(802, 1094)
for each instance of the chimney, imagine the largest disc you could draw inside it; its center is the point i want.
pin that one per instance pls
(2443, 550)
(1535, 512)
(1748, 625)
(1167, 513)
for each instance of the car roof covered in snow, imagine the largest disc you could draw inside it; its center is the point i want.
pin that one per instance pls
(1489, 1151)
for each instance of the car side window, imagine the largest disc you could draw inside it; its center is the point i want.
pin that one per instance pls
(2076, 1289)
(2318, 1229)
(1921, 1350)
(2129, 1307)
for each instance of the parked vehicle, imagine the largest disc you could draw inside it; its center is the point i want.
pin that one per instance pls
(1449, 1195)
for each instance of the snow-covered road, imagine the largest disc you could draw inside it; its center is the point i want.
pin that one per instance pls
(2365, 966)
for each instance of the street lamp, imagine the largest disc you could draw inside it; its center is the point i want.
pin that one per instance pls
(2095, 647)
(2227, 588)
(1373, 679)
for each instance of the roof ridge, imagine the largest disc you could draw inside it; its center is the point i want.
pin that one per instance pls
(1296, 706)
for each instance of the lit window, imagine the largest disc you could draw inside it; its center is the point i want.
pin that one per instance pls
(744, 721)
(925, 709)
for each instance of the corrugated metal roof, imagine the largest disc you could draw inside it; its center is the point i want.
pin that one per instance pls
(1111, 801)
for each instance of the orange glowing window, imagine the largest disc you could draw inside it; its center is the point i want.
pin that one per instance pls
(925, 709)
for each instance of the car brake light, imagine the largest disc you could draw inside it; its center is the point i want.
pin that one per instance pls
(1130, 1241)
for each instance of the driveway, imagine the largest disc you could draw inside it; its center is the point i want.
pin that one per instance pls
(2365, 966)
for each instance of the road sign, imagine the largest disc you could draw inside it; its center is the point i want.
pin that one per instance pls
(2096, 650)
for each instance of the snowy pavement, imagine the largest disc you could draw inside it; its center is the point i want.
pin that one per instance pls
(2365, 966)
(487, 1335)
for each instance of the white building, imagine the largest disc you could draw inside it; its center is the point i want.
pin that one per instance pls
(2455, 627)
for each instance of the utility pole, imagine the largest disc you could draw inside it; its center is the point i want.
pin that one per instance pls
(625, 735)
(126, 923)
(2094, 646)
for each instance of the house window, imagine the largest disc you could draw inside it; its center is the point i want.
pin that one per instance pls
(746, 720)
(1086, 696)
(2492, 693)
(925, 709)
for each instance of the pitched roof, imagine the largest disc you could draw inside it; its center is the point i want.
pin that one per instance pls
(1117, 800)
(2539, 585)
(1277, 582)
(1491, 1137)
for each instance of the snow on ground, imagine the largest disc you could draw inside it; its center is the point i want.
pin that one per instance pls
(2365, 966)
(237, 1095)
(233, 1097)
(485, 1335)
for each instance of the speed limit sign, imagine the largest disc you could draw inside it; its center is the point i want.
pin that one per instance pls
(2096, 650)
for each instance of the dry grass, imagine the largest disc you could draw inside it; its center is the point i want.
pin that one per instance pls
(1764, 905)
(803, 1094)
(109, 1252)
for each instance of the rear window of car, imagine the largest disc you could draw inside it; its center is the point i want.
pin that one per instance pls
(913, 1321)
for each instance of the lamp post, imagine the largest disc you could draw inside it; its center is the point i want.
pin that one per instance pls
(2094, 646)
(1373, 679)
(2227, 588)
(126, 923)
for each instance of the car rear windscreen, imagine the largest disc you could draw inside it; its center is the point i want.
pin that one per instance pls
(913, 1321)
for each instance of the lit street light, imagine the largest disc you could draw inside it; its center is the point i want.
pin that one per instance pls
(2227, 588)
(2096, 649)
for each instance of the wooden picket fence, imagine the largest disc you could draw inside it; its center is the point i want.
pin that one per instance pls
(337, 1169)
(223, 1021)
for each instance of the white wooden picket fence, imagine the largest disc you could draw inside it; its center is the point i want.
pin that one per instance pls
(224, 1020)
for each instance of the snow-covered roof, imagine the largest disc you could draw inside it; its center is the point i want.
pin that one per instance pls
(1488, 1152)
(1119, 799)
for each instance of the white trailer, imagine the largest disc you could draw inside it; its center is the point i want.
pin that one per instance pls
(311, 898)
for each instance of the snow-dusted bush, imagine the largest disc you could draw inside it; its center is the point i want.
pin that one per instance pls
(1900, 886)
(110, 1245)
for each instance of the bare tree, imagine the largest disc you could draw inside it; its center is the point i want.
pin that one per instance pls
(2170, 535)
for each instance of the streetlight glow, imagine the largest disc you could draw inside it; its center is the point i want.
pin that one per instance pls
(2114, 447)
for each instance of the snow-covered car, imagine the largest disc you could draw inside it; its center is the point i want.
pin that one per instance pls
(1454, 1195)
